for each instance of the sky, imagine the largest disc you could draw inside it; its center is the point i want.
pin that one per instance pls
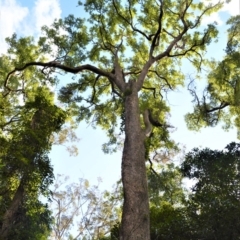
(25, 17)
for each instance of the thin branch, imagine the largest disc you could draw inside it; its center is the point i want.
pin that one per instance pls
(114, 90)
(204, 108)
(170, 34)
(201, 15)
(186, 27)
(192, 48)
(130, 22)
(131, 73)
(193, 92)
(94, 89)
(151, 167)
(156, 38)
(184, 13)
(165, 79)
(221, 106)
(152, 89)
(171, 45)
(12, 120)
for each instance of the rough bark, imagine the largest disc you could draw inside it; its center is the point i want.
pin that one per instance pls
(9, 216)
(135, 218)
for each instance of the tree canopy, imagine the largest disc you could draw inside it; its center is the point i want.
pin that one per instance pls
(124, 57)
(213, 206)
(220, 100)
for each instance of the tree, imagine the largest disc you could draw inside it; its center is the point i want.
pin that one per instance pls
(27, 170)
(91, 212)
(124, 57)
(214, 206)
(28, 119)
(220, 100)
(168, 213)
(168, 205)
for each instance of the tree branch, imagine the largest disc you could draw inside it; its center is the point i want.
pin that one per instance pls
(54, 64)
(130, 22)
(161, 77)
(144, 73)
(94, 88)
(148, 125)
(12, 120)
(192, 48)
(152, 89)
(151, 167)
(157, 36)
(221, 106)
(149, 121)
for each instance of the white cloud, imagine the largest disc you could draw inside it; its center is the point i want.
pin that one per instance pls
(25, 21)
(214, 17)
(45, 12)
(232, 8)
(12, 16)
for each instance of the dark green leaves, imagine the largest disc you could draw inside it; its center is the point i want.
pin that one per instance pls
(213, 206)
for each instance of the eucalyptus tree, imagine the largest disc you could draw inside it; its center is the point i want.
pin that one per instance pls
(125, 56)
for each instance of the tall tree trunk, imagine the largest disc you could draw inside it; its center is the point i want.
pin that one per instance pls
(135, 218)
(9, 216)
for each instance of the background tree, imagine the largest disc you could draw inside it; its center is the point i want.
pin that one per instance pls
(214, 205)
(26, 170)
(168, 205)
(83, 209)
(220, 101)
(209, 211)
(28, 118)
(168, 213)
(134, 48)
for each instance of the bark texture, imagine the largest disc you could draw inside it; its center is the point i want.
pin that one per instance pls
(18, 198)
(135, 218)
(9, 216)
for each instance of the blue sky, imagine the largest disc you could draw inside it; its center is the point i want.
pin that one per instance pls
(26, 18)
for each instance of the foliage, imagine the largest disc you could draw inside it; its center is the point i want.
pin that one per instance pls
(26, 171)
(220, 101)
(28, 119)
(83, 209)
(111, 33)
(168, 213)
(169, 222)
(168, 216)
(214, 206)
(125, 57)
(33, 221)
(167, 183)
